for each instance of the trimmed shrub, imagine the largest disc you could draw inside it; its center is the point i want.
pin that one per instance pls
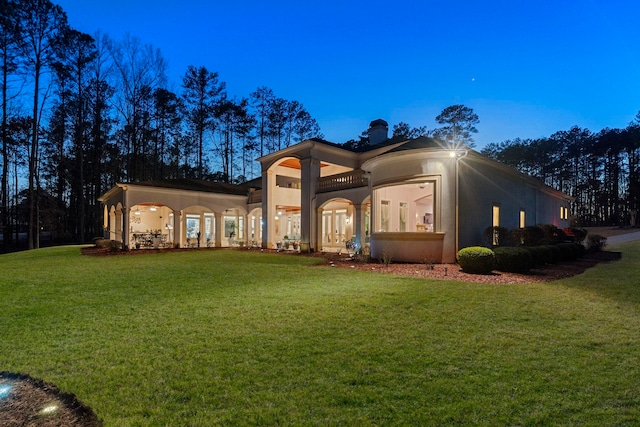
(528, 236)
(567, 251)
(513, 260)
(578, 233)
(500, 235)
(541, 255)
(476, 260)
(552, 234)
(556, 254)
(597, 242)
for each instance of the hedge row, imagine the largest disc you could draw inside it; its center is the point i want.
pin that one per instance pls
(520, 259)
(543, 234)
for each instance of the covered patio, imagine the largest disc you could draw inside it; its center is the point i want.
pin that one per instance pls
(179, 214)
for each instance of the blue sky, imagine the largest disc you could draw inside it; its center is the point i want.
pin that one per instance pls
(527, 68)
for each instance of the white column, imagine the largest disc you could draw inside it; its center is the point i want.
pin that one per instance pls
(358, 225)
(268, 209)
(219, 228)
(125, 227)
(177, 229)
(310, 174)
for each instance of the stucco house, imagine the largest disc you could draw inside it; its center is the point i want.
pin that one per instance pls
(413, 200)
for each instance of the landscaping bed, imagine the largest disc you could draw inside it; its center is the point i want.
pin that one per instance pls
(454, 272)
(26, 401)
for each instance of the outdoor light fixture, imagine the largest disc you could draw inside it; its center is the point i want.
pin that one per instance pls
(153, 209)
(458, 153)
(4, 390)
(137, 212)
(50, 409)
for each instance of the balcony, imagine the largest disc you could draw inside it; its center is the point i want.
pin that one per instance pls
(342, 181)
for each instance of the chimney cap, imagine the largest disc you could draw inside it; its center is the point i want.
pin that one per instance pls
(378, 122)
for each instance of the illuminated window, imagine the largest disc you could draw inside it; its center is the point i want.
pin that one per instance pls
(564, 212)
(406, 208)
(384, 215)
(496, 216)
(522, 219)
(496, 223)
(403, 216)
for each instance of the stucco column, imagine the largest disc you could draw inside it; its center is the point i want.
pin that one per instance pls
(268, 208)
(177, 229)
(310, 174)
(125, 227)
(218, 224)
(358, 226)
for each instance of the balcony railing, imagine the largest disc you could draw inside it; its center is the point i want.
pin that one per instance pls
(341, 181)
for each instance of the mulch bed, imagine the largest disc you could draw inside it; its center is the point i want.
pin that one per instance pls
(545, 273)
(27, 401)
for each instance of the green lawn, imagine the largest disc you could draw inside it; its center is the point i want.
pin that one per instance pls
(243, 338)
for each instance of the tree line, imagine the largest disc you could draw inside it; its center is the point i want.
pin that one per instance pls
(82, 112)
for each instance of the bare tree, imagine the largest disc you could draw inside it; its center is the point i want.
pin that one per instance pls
(40, 23)
(140, 69)
(9, 36)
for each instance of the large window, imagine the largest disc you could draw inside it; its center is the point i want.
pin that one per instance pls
(402, 216)
(405, 208)
(209, 227)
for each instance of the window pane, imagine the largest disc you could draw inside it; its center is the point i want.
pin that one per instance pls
(193, 226)
(406, 208)
(496, 216)
(403, 216)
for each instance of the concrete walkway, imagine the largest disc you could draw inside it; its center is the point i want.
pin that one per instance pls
(623, 238)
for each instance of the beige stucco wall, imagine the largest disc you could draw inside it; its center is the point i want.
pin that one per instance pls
(416, 166)
(484, 184)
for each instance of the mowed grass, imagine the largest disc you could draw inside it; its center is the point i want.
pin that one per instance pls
(225, 337)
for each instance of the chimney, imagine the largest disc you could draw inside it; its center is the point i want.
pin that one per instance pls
(378, 131)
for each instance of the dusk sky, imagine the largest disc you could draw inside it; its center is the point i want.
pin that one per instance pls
(528, 69)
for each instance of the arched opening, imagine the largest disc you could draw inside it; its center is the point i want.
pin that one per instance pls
(150, 226)
(254, 228)
(343, 225)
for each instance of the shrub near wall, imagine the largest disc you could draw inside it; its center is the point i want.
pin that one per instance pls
(556, 254)
(513, 259)
(568, 251)
(541, 255)
(476, 260)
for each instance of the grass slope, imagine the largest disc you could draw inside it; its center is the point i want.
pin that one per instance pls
(239, 338)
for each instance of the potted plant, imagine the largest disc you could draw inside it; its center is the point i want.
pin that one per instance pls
(286, 242)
